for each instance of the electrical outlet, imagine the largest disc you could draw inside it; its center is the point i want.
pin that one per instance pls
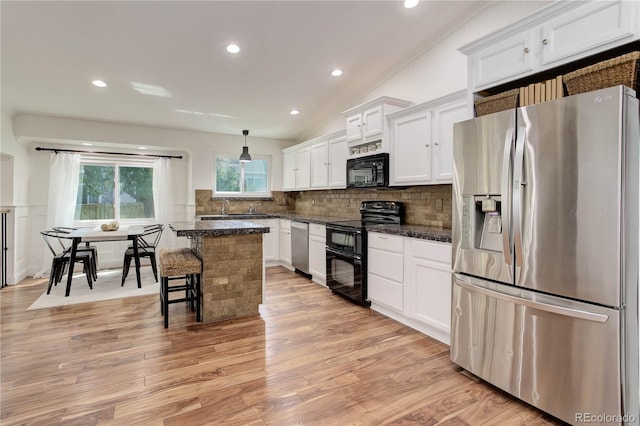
(313, 202)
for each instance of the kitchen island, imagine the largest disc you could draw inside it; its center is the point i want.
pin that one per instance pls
(232, 265)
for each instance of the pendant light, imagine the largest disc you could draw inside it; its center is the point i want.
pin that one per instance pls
(245, 157)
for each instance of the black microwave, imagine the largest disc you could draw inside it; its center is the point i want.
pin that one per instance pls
(371, 171)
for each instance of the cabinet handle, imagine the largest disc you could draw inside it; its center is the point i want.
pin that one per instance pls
(436, 144)
(545, 41)
(427, 145)
(526, 50)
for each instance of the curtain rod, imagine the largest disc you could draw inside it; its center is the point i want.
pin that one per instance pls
(57, 150)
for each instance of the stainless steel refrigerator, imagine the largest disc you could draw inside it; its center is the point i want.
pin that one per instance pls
(545, 254)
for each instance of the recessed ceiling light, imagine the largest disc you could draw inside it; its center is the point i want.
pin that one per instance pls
(142, 147)
(409, 4)
(233, 48)
(99, 83)
(87, 143)
(294, 112)
(336, 73)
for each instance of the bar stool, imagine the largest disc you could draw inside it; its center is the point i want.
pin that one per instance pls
(180, 264)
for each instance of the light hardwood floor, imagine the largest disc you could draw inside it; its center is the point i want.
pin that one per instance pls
(310, 358)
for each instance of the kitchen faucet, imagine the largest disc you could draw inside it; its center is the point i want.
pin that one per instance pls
(253, 208)
(222, 208)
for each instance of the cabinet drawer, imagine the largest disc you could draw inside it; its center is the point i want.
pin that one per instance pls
(386, 264)
(386, 242)
(285, 224)
(317, 230)
(438, 252)
(386, 292)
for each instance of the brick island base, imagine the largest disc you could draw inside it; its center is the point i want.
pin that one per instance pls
(232, 276)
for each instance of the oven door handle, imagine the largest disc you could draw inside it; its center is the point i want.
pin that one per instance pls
(338, 228)
(342, 253)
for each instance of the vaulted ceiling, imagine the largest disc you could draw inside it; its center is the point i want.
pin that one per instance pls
(166, 64)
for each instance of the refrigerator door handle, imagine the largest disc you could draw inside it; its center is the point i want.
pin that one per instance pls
(555, 309)
(517, 194)
(506, 197)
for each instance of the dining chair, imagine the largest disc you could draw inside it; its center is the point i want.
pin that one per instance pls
(147, 243)
(81, 249)
(62, 256)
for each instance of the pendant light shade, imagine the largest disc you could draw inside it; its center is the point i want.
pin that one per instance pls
(245, 157)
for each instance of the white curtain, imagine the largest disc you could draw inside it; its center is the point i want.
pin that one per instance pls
(64, 172)
(163, 198)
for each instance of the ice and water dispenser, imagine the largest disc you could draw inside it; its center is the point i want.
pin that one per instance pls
(482, 222)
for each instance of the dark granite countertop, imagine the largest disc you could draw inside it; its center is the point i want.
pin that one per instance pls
(424, 232)
(206, 228)
(290, 216)
(432, 233)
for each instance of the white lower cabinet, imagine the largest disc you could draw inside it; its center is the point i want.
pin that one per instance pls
(317, 253)
(385, 275)
(285, 243)
(270, 240)
(409, 280)
(428, 286)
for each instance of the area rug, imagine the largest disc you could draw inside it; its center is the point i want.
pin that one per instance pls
(105, 288)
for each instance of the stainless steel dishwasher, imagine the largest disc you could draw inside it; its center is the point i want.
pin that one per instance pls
(300, 247)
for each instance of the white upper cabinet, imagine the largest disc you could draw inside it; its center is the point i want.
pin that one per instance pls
(320, 164)
(372, 122)
(411, 149)
(511, 57)
(421, 141)
(288, 169)
(367, 128)
(303, 167)
(296, 167)
(364, 125)
(329, 161)
(338, 161)
(444, 117)
(555, 35)
(594, 24)
(354, 127)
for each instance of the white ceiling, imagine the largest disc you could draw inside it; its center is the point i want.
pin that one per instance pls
(52, 50)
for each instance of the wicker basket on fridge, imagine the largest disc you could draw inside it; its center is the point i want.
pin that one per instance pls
(495, 103)
(621, 70)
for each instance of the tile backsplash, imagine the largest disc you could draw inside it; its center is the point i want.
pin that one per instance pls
(424, 205)
(279, 202)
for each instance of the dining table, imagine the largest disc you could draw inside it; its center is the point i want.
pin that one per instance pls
(96, 234)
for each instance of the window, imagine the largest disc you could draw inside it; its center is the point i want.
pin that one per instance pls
(234, 177)
(114, 190)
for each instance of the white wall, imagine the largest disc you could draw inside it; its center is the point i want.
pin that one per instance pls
(442, 69)
(53, 130)
(14, 172)
(194, 171)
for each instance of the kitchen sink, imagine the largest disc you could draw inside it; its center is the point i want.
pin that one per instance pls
(234, 216)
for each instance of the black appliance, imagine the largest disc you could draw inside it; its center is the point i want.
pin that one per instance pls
(347, 248)
(371, 171)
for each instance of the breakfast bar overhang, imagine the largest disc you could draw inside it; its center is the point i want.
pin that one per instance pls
(232, 265)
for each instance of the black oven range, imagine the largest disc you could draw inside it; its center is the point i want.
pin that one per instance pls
(347, 248)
